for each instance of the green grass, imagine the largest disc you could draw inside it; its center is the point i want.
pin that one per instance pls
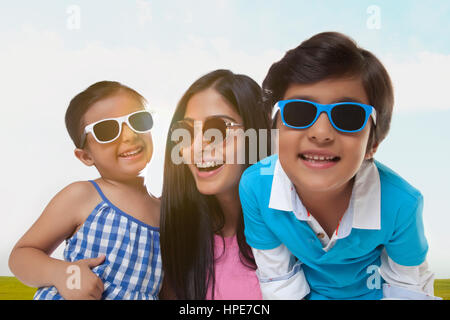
(13, 289)
(442, 288)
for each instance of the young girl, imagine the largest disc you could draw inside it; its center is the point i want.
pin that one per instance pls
(204, 252)
(110, 224)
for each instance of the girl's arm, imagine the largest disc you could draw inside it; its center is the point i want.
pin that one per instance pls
(30, 258)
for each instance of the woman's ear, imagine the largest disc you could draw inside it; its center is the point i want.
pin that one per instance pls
(84, 156)
(371, 152)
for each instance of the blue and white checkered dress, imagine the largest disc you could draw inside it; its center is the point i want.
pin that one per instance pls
(132, 269)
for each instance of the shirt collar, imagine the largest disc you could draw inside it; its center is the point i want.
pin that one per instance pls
(364, 211)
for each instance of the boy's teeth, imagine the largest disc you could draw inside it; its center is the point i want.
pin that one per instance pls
(319, 158)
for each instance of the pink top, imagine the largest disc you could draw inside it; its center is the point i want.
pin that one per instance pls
(234, 281)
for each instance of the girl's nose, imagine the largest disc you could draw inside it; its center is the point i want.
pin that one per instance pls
(127, 133)
(321, 131)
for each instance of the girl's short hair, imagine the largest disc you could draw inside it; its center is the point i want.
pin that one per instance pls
(334, 55)
(81, 103)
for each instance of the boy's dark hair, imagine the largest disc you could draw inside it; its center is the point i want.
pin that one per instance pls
(334, 55)
(81, 103)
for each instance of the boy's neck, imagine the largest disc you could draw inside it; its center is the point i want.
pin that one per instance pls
(327, 207)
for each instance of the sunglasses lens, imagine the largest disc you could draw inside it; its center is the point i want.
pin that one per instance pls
(106, 130)
(185, 126)
(348, 117)
(218, 124)
(141, 121)
(213, 123)
(299, 114)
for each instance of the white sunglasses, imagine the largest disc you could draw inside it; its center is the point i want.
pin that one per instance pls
(108, 130)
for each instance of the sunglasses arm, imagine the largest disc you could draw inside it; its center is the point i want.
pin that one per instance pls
(87, 129)
(276, 108)
(374, 116)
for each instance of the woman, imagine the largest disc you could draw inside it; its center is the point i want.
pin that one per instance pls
(204, 252)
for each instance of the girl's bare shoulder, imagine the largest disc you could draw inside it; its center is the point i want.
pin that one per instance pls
(79, 190)
(79, 197)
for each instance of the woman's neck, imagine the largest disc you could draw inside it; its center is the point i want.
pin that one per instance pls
(231, 208)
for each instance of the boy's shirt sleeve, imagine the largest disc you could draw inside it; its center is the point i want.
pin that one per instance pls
(408, 245)
(280, 274)
(402, 282)
(257, 233)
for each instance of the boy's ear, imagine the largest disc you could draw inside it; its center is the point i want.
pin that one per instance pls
(370, 153)
(84, 156)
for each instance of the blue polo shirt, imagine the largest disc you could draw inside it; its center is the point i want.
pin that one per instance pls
(344, 271)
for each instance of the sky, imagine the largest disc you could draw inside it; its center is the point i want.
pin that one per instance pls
(51, 50)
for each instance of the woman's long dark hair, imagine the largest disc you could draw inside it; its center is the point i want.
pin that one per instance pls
(190, 219)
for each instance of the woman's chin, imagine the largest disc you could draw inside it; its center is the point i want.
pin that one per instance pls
(208, 188)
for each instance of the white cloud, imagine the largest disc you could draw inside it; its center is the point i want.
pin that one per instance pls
(420, 81)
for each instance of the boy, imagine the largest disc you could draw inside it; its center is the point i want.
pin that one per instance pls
(326, 221)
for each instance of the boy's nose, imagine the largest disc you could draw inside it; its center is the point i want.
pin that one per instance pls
(321, 131)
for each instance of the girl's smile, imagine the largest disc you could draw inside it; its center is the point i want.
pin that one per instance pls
(132, 153)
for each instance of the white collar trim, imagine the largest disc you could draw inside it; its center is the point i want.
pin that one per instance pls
(364, 210)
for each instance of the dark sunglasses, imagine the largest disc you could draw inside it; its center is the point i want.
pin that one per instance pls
(344, 116)
(108, 130)
(218, 123)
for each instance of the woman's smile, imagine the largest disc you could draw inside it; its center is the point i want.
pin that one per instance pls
(208, 169)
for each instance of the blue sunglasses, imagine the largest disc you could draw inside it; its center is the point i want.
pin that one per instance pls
(343, 116)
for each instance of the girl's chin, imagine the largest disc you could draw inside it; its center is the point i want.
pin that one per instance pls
(135, 169)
